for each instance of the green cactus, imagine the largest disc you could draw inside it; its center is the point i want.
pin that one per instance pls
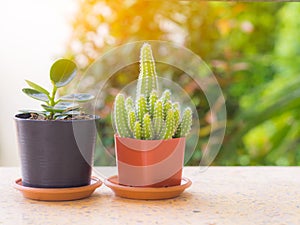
(147, 127)
(147, 80)
(152, 100)
(158, 118)
(186, 123)
(141, 106)
(169, 126)
(176, 110)
(129, 104)
(137, 131)
(166, 96)
(152, 116)
(166, 107)
(131, 120)
(120, 117)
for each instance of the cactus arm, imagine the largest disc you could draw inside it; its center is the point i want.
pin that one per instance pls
(147, 128)
(129, 105)
(176, 116)
(131, 120)
(137, 131)
(167, 106)
(169, 125)
(158, 118)
(120, 117)
(162, 133)
(178, 130)
(166, 96)
(152, 100)
(147, 80)
(141, 106)
(186, 124)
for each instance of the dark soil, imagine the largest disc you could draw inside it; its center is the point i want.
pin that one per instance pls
(83, 116)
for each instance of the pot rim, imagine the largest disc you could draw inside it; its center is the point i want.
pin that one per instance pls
(156, 140)
(16, 118)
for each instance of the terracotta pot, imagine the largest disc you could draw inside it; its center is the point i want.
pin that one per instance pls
(56, 153)
(149, 163)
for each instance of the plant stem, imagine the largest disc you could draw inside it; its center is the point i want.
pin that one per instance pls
(52, 100)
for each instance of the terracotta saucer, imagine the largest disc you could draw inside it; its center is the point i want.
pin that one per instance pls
(58, 194)
(146, 193)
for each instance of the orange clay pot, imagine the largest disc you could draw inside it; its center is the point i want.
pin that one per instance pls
(149, 163)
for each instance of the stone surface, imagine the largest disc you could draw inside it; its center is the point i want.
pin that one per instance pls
(219, 195)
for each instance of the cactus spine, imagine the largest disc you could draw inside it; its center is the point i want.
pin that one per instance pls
(147, 77)
(137, 132)
(167, 106)
(129, 105)
(158, 118)
(151, 116)
(131, 120)
(147, 127)
(141, 106)
(185, 124)
(166, 96)
(169, 126)
(152, 100)
(121, 117)
(176, 111)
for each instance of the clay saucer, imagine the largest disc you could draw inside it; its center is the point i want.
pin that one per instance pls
(58, 194)
(146, 193)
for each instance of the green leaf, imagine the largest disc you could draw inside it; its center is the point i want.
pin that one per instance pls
(36, 94)
(62, 72)
(52, 109)
(72, 112)
(82, 97)
(60, 116)
(65, 114)
(61, 107)
(67, 106)
(37, 87)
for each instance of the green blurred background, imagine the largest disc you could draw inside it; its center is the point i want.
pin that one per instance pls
(252, 48)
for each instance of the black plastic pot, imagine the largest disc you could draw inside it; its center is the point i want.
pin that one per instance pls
(56, 154)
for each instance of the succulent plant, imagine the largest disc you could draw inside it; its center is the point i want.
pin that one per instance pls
(121, 119)
(147, 77)
(150, 117)
(62, 73)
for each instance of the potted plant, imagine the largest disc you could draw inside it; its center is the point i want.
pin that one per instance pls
(150, 132)
(56, 145)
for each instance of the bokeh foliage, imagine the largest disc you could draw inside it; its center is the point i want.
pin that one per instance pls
(252, 48)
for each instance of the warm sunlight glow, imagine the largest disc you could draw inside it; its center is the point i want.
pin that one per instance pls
(33, 33)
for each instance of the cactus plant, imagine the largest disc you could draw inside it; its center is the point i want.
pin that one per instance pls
(158, 118)
(185, 124)
(176, 111)
(151, 117)
(121, 117)
(137, 132)
(141, 106)
(152, 100)
(131, 120)
(168, 130)
(147, 77)
(129, 104)
(166, 96)
(166, 107)
(147, 127)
